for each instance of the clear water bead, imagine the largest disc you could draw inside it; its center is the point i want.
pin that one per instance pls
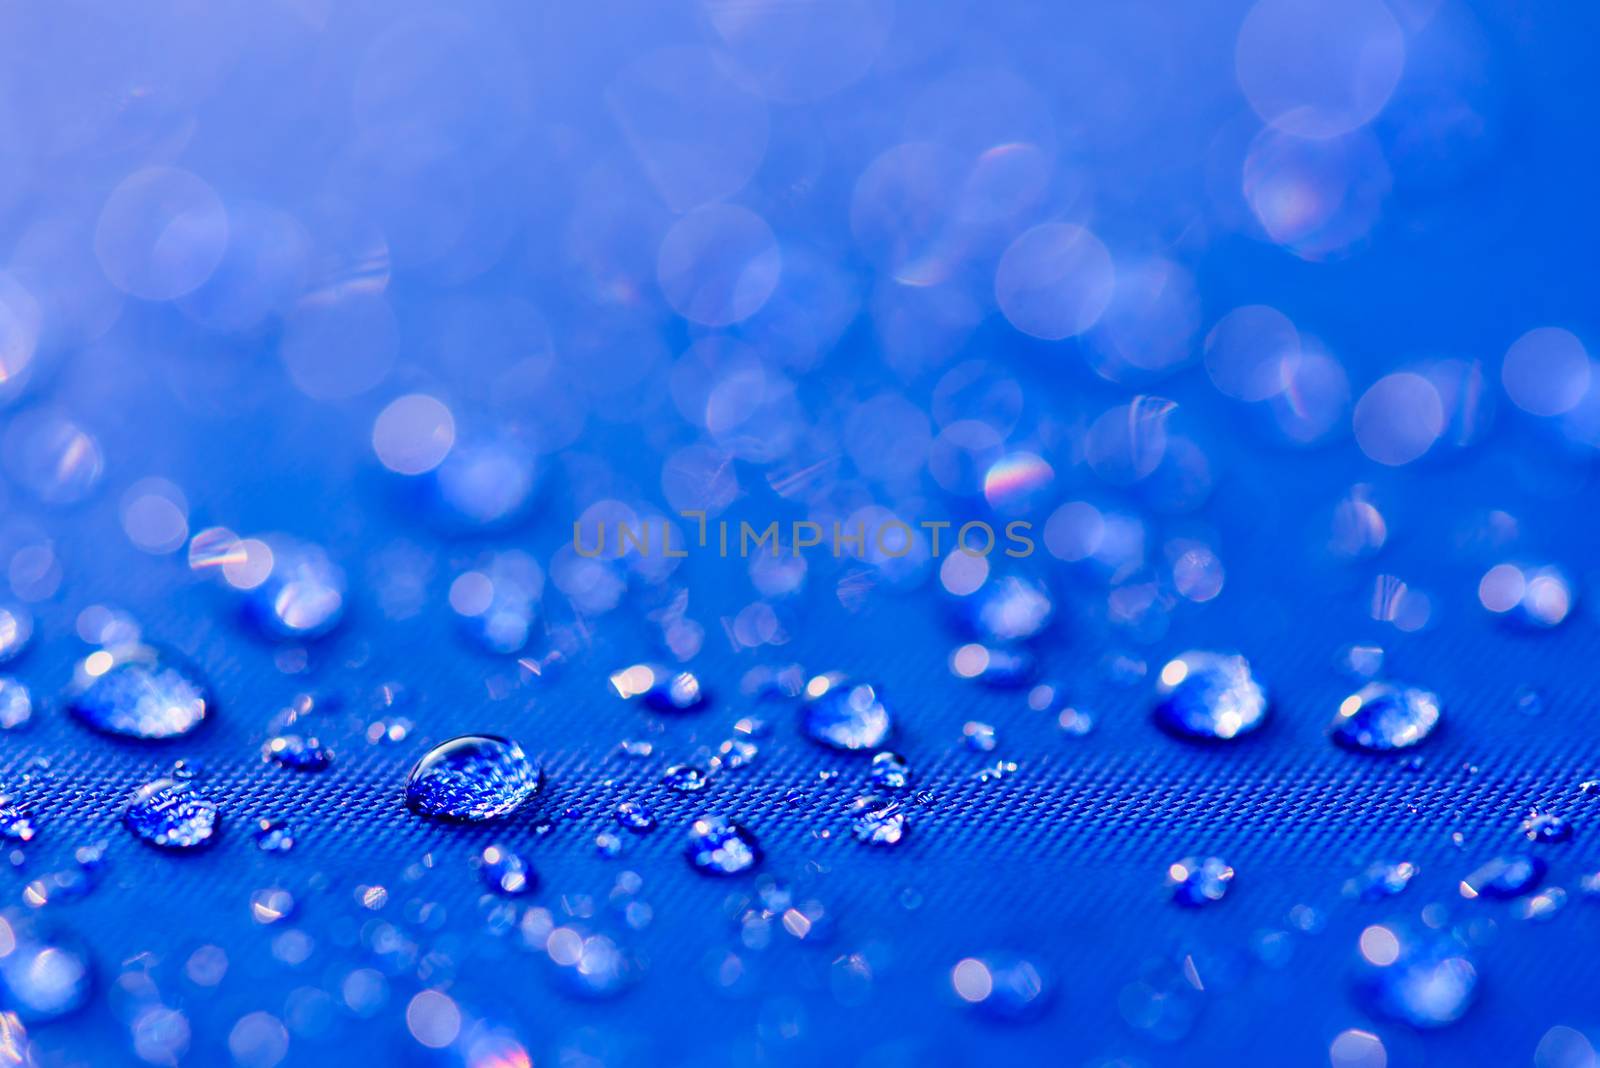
(1382, 717)
(635, 817)
(138, 691)
(842, 714)
(1427, 981)
(662, 689)
(16, 630)
(1197, 881)
(1545, 827)
(890, 771)
(686, 778)
(45, 977)
(16, 704)
(1505, 877)
(473, 777)
(172, 814)
(1003, 987)
(1209, 696)
(719, 846)
(297, 753)
(303, 594)
(505, 872)
(879, 822)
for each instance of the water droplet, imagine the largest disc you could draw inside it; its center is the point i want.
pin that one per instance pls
(271, 905)
(736, 753)
(16, 630)
(1196, 881)
(302, 595)
(187, 769)
(1545, 827)
(16, 704)
(890, 771)
(686, 778)
(1361, 661)
(172, 814)
(45, 977)
(1000, 667)
(1002, 987)
(660, 688)
(1381, 717)
(607, 844)
(719, 846)
(485, 482)
(297, 753)
(844, 715)
(635, 817)
(473, 777)
(980, 737)
(498, 602)
(1504, 877)
(1382, 879)
(1426, 981)
(273, 836)
(1541, 906)
(879, 822)
(1537, 598)
(635, 749)
(589, 965)
(1529, 701)
(1209, 696)
(505, 872)
(137, 691)
(1006, 609)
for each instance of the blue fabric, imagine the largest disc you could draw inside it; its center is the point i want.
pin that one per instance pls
(498, 251)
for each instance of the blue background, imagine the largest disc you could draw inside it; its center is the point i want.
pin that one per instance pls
(504, 210)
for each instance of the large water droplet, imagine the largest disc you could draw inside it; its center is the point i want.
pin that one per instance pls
(1209, 696)
(1504, 877)
(660, 688)
(1196, 881)
(16, 630)
(1426, 981)
(474, 777)
(45, 977)
(842, 714)
(1003, 987)
(719, 846)
(505, 872)
(172, 814)
(138, 691)
(16, 704)
(302, 596)
(297, 753)
(1381, 717)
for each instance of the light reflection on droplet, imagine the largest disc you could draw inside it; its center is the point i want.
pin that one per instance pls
(413, 434)
(155, 516)
(1546, 371)
(1398, 419)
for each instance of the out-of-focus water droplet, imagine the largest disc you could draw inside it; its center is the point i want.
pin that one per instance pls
(303, 593)
(297, 753)
(1384, 878)
(736, 753)
(172, 814)
(660, 688)
(45, 977)
(589, 965)
(138, 691)
(979, 737)
(505, 872)
(1209, 697)
(54, 459)
(635, 817)
(686, 778)
(1529, 701)
(1542, 906)
(271, 904)
(719, 846)
(890, 771)
(485, 483)
(1504, 877)
(471, 778)
(16, 704)
(1006, 608)
(1361, 661)
(1426, 980)
(1382, 717)
(1546, 827)
(1538, 598)
(635, 748)
(16, 631)
(15, 824)
(273, 836)
(498, 601)
(846, 715)
(1197, 881)
(1002, 987)
(1002, 667)
(607, 844)
(879, 822)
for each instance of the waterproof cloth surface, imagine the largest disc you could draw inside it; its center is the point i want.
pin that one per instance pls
(477, 204)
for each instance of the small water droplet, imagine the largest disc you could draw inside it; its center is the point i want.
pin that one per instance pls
(273, 836)
(16, 704)
(1529, 701)
(1381, 717)
(979, 737)
(1385, 878)
(845, 715)
(16, 630)
(505, 872)
(607, 844)
(1545, 827)
(719, 846)
(302, 594)
(736, 753)
(686, 778)
(172, 814)
(1001, 667)
(271, 905)
(635, 817)
(1196, 881)
(473, 777)
(590, 966)
(1505, 877)
(1425, 980)
(1361, 661)
(45, 977)
(1589, 786)
(497, 603)
(297, 753)
(635, 749)
(137, 691)
(879, 822)
(662, 689)
(185, 768)
(890, 771)
(1003, 987)
(1209, 697)
(1541, 906)
(15, 824)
